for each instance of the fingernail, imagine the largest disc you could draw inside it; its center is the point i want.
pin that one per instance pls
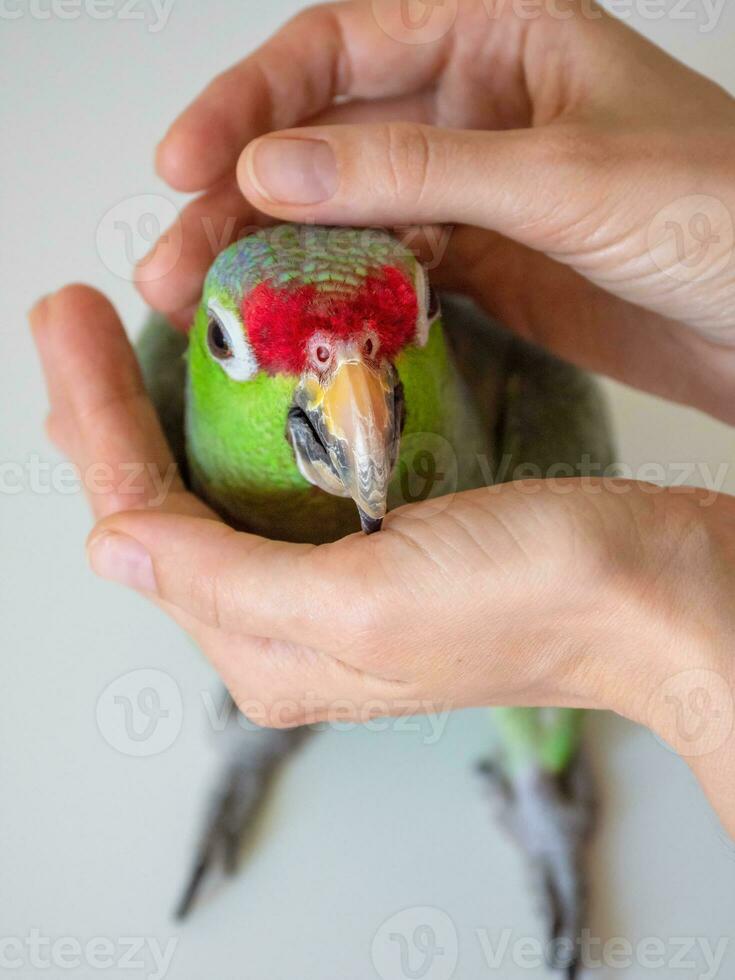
(293, 171)
(122, 559)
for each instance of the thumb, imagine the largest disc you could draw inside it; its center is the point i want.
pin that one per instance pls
(407, 173)
(225, 579)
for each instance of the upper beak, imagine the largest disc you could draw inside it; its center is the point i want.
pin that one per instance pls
(346, 431)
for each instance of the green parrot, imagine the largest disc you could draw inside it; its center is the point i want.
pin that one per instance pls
(321, 385)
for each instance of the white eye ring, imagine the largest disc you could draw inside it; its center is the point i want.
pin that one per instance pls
(240, 364)
(424, 319)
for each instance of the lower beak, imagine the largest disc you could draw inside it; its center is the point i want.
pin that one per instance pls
(346, 434)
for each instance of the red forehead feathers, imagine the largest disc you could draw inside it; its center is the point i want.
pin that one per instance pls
(281, 319)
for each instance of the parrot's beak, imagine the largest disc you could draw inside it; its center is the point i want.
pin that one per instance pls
(345, 431)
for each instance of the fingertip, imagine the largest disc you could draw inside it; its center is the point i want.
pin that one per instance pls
(173, 163)
(74, 295)
(65, 307)
(169, 297)
(119, 558)
(166, 532)
(194, 154)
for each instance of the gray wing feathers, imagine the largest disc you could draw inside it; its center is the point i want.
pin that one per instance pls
(161, 353)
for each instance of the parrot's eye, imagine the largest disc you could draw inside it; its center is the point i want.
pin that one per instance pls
(218, 341)
(228, 344)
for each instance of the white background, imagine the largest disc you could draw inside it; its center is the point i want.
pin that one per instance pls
(94, 842)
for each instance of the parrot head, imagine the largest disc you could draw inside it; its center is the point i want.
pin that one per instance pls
(293, 361)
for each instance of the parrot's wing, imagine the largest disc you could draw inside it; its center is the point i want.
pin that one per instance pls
(249, 756)
(537, 409)
(161, 351)
(544, 418)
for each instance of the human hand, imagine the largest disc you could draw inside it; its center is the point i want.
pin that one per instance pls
(587, 155)
(590, 594)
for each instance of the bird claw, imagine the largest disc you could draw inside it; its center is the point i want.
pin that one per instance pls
(253, 756)
(551, 817)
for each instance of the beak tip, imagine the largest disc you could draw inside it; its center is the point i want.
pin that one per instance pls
(370, 525)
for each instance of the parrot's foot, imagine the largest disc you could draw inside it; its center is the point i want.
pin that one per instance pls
(253, 755)
(551, 816)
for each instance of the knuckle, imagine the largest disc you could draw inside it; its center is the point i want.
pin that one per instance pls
(211, 591)
(409, 160)
(572, 165)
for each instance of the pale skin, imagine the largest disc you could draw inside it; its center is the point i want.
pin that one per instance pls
(562, 139)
